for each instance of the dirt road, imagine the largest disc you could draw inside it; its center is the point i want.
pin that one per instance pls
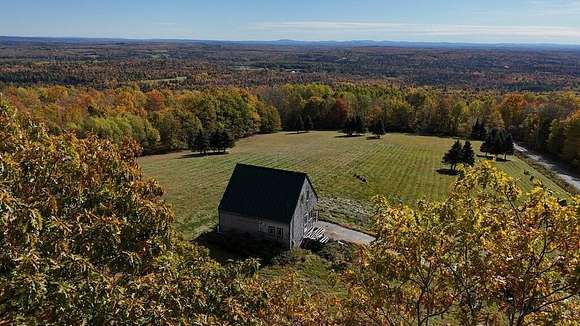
(337, 232)
(562, 172)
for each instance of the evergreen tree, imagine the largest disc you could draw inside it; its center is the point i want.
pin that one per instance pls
(309, 125)
(379, 128)
(453, 156)
(221, 140)
(215, 140)
(478, 131)
(349, 127)
(490, 143)
(467, 154)
(201, 142)
(299, 125)
(497, 142)
(359, 126)
(227, 140)
(507, 144)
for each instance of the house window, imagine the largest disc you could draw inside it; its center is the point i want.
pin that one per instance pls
(271, 230)
(280, 232)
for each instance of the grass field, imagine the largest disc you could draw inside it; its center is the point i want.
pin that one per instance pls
(403, 167)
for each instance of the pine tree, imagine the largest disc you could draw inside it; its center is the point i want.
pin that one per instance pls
(215, 140)
(349, 127)
(309, 125)
(453, 156)
(467, 154)
(201, 142)
(507, 144)
(497, 142)
(478, 131)
(379, 128)
(489, 145)
(299, 125)
(227, 140)
(221, 140)
(359, 126)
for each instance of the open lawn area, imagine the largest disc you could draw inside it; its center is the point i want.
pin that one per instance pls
(402, 167)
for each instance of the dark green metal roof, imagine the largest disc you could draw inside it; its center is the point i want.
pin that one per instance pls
(260, 192)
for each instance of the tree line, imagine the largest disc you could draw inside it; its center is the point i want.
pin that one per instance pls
(546, 122)
(165, 119)
(159, 120)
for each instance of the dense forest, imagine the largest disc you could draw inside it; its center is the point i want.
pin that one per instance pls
(195, 65)
(165, 120)
(159, 120)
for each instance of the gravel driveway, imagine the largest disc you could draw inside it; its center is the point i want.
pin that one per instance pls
(553, 166)
(337, 232)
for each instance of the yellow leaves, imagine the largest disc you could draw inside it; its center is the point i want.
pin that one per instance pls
(487, 182)
(78, 211)
(28, 262)
(486, 243)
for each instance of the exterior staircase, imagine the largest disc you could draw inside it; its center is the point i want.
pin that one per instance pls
(316, 234)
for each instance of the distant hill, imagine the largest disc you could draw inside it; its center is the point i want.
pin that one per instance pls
(286, 42)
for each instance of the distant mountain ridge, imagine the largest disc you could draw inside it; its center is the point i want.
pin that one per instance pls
(7, 40)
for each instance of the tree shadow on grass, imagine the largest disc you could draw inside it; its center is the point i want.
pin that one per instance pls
(347, 136)
(226, 248)
(447, 172)
(373, 138)
(491, 158)
(297, 133)
(194, 155)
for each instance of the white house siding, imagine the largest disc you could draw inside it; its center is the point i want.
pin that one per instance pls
(254, 227)
(306, 204)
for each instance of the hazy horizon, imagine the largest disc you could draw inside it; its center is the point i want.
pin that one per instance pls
(274, 41)
(438, 21)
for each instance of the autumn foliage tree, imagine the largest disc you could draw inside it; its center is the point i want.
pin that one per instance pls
(571, 146)
(86, 239)
(485, 255)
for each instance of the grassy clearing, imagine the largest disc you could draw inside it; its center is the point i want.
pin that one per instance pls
(402, 167)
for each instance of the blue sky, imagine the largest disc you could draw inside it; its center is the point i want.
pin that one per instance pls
(490, 21)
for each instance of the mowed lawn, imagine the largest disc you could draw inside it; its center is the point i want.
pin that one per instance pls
(402, 167)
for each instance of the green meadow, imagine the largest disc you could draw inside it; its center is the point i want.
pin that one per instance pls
(400, 166)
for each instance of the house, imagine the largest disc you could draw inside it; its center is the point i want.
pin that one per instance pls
(266, 203)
